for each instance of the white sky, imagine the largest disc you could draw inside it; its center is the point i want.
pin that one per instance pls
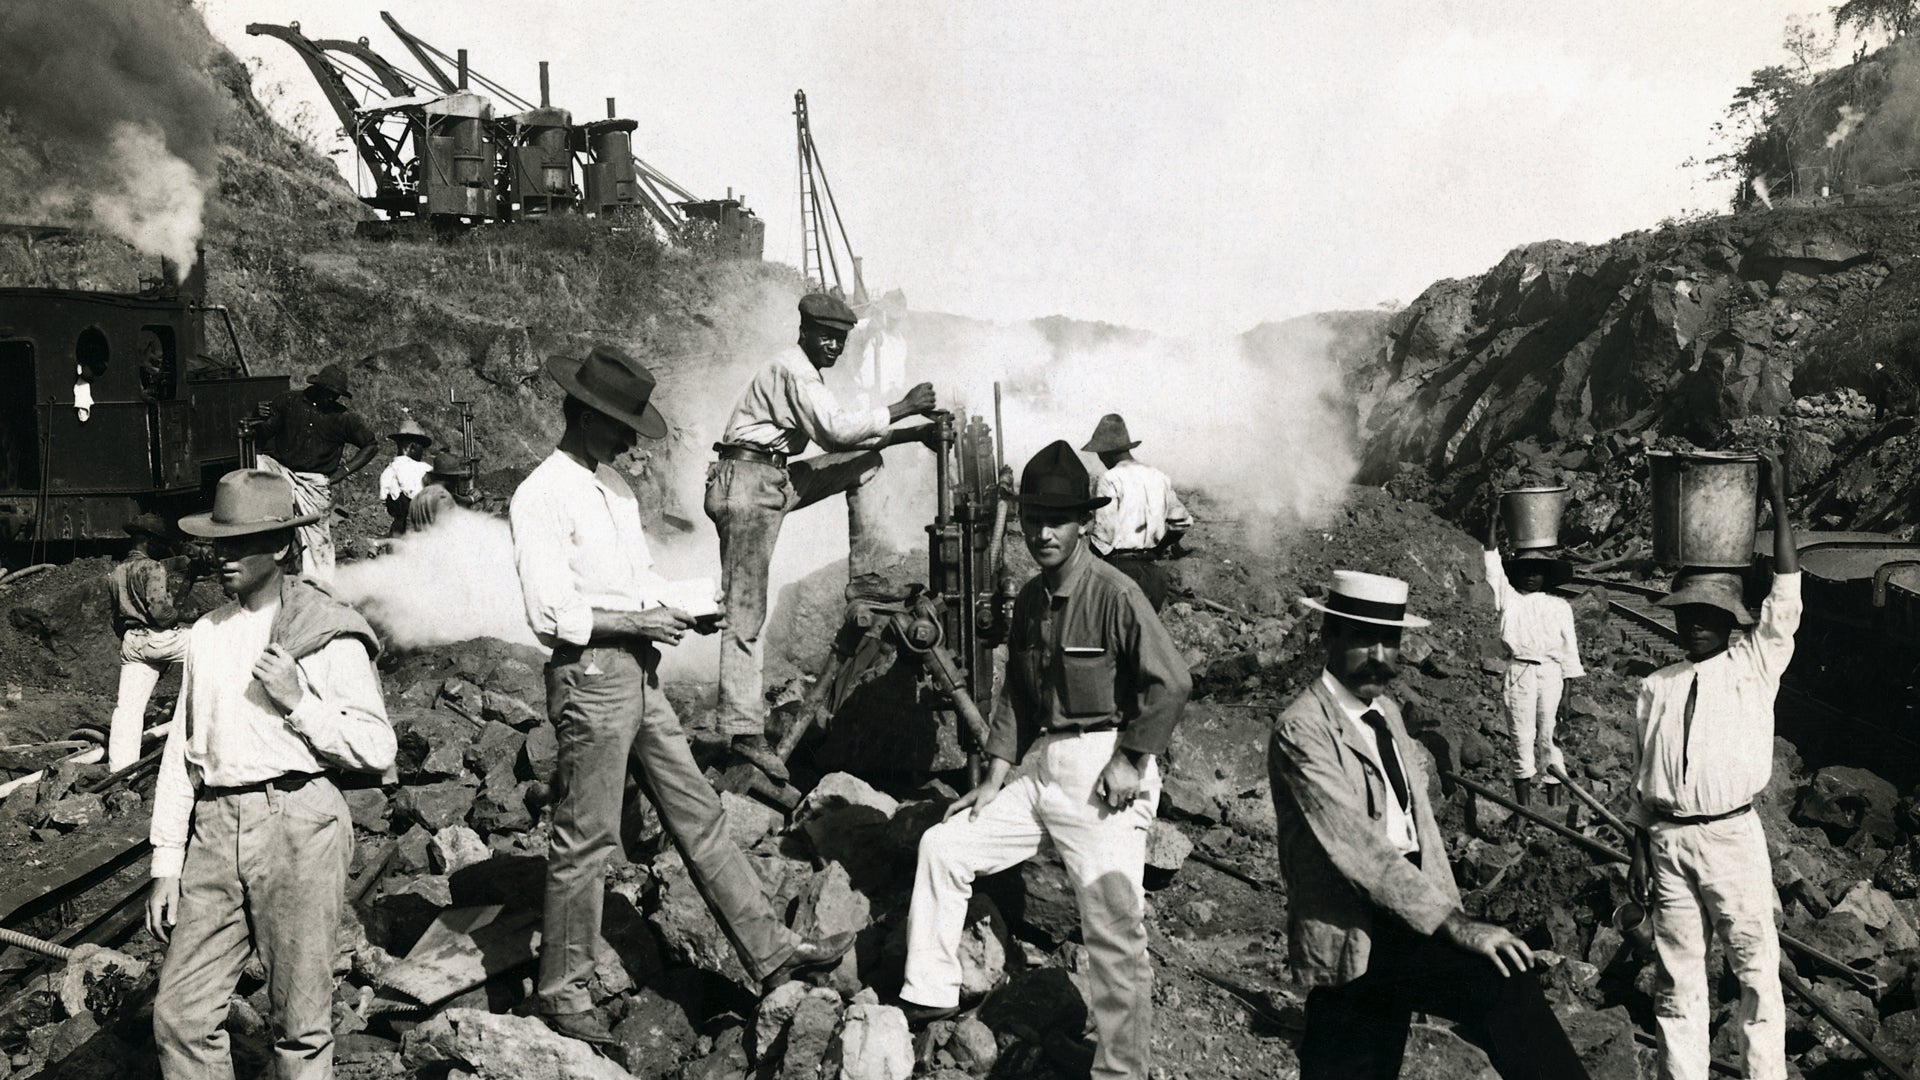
(1186, 167)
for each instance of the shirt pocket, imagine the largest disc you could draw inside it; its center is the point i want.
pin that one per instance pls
(1086, 681)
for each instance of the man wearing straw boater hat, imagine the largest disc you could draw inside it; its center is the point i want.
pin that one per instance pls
(1094, 687)
(1543, 651)
(308, 431)
(1143, 518)
(251, 837)
(146, 595)
(755, 484)
(1375, 925)
(589, 586)
(1704, 736)
(406, 474)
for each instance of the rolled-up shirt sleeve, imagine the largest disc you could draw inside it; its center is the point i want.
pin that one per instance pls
(830, 424)
(173, 790)
(555, 608)
(342, 715)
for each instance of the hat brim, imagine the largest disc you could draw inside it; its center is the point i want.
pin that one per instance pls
(1059, 502)
(565, 370)
(1097, 448)
(203, 525)
(402, 436)
(1410, 622)
(1558, 571)
(1707, 598)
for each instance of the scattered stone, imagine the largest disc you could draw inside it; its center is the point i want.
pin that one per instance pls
(455, 848)
(492, 1046)
(810, 1034)
(57, 1042)
(1604, 1040)
(1871, 906)
(94, 978)
(435, 806)
(541, 752)
(972, 1045)
(368, 806)
(874, 1044)
(497, 745)
(656, 1034)
(1209, 764)
(1167, 848)
(76, 811)
(1489, 818)
(983, 950)
(432, 744)
(1844, 800)
(749, 820)
(770, 1020)
(687, 927)
(508, 709)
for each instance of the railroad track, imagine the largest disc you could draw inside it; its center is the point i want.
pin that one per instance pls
(1647, 624)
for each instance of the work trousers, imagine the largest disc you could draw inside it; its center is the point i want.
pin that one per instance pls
(144, 656)
(611, 717)
(266, 872)
(1358, 1031)
(1152, 578)
(747, 501)
(312, 494)
(1050, 794)
(1532, 695)
(1714, 878)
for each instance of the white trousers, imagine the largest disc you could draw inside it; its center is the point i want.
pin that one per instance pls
(144, 656)
(1050, 794)
(1532, 695)
(1714, 879)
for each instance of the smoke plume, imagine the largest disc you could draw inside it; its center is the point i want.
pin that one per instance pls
(449, 583)
(117, 95)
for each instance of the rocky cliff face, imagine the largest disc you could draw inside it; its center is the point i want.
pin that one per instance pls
(1799, 325)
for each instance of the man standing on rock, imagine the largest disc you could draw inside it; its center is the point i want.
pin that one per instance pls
(1094, 687)
(1374, 919)
(755, 485)
(1704, 731)
(1143, 520)
(251, 839)
(145, 614)
(309, 431)
(589, 586)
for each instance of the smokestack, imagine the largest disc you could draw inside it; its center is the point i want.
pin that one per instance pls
(545, 99)
(463, 68)
(609, 108)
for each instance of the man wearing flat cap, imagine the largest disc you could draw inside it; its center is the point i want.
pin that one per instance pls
(146, 595)
(1375, 926)
(303, 436)
(251, 836)
(1093, 689)
(756, 483)
(1144, 517)
(1704, 737)
(592, 596)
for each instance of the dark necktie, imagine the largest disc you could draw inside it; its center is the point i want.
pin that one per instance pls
(1686, 725)
(1389, 761)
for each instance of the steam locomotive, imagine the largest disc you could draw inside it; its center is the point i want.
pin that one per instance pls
(1859, 639)
(112, 404)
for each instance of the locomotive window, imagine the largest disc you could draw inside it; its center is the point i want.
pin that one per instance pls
(90, 352)
(159, 362)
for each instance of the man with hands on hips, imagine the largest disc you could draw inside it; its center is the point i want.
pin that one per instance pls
(1092, 691)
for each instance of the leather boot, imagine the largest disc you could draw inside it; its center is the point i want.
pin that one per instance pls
(1555, 797)
(1523, 793)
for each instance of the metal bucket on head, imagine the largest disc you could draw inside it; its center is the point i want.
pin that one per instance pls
(1531, 516)
(1704, 508)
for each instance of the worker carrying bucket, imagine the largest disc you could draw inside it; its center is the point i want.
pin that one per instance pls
(1543, 648)
(1703, 743)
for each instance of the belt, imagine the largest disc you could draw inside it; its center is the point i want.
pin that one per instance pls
(730, 452)
(1068, 729)
(1137, 554)
(1702, 819)
(285, 782)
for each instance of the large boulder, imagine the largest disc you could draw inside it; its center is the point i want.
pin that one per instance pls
(687, 927)
(1844, 800)
(1217, 755)
(874, 1044)
(491, 1046)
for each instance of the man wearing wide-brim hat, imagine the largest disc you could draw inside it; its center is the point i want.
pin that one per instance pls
(1375, 925)
(591, 596)
(1144, 518)
(1093, 690)
(1704, 751)
(756, 483)
(303, 435)
(406, 474)
(251, 836)
(146, 595)
(449, 484)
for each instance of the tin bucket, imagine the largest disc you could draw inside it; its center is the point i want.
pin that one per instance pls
(1704, 508)
(1532, 516)
(1635, 925)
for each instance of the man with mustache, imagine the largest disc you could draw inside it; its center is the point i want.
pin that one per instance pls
(754, 486)
(1093, 689)
(1375, 924)
(1704, 731)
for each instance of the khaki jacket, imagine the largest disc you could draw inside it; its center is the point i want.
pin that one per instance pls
(1341, 874)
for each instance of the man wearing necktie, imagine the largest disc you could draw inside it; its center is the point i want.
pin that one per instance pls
(1704, 734)
(1375, 924)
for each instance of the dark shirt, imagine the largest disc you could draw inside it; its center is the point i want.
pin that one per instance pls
(309, 439)
(1089, 653)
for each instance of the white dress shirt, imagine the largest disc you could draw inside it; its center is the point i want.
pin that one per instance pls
(578, 545)
(1144, 504)
(1401, 831)
(788, 403)
(228, 733)
(1726, 757)
(403, 476)
(1536, 627)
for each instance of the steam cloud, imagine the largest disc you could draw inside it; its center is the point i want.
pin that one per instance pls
(450, 583)
(117, 94)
